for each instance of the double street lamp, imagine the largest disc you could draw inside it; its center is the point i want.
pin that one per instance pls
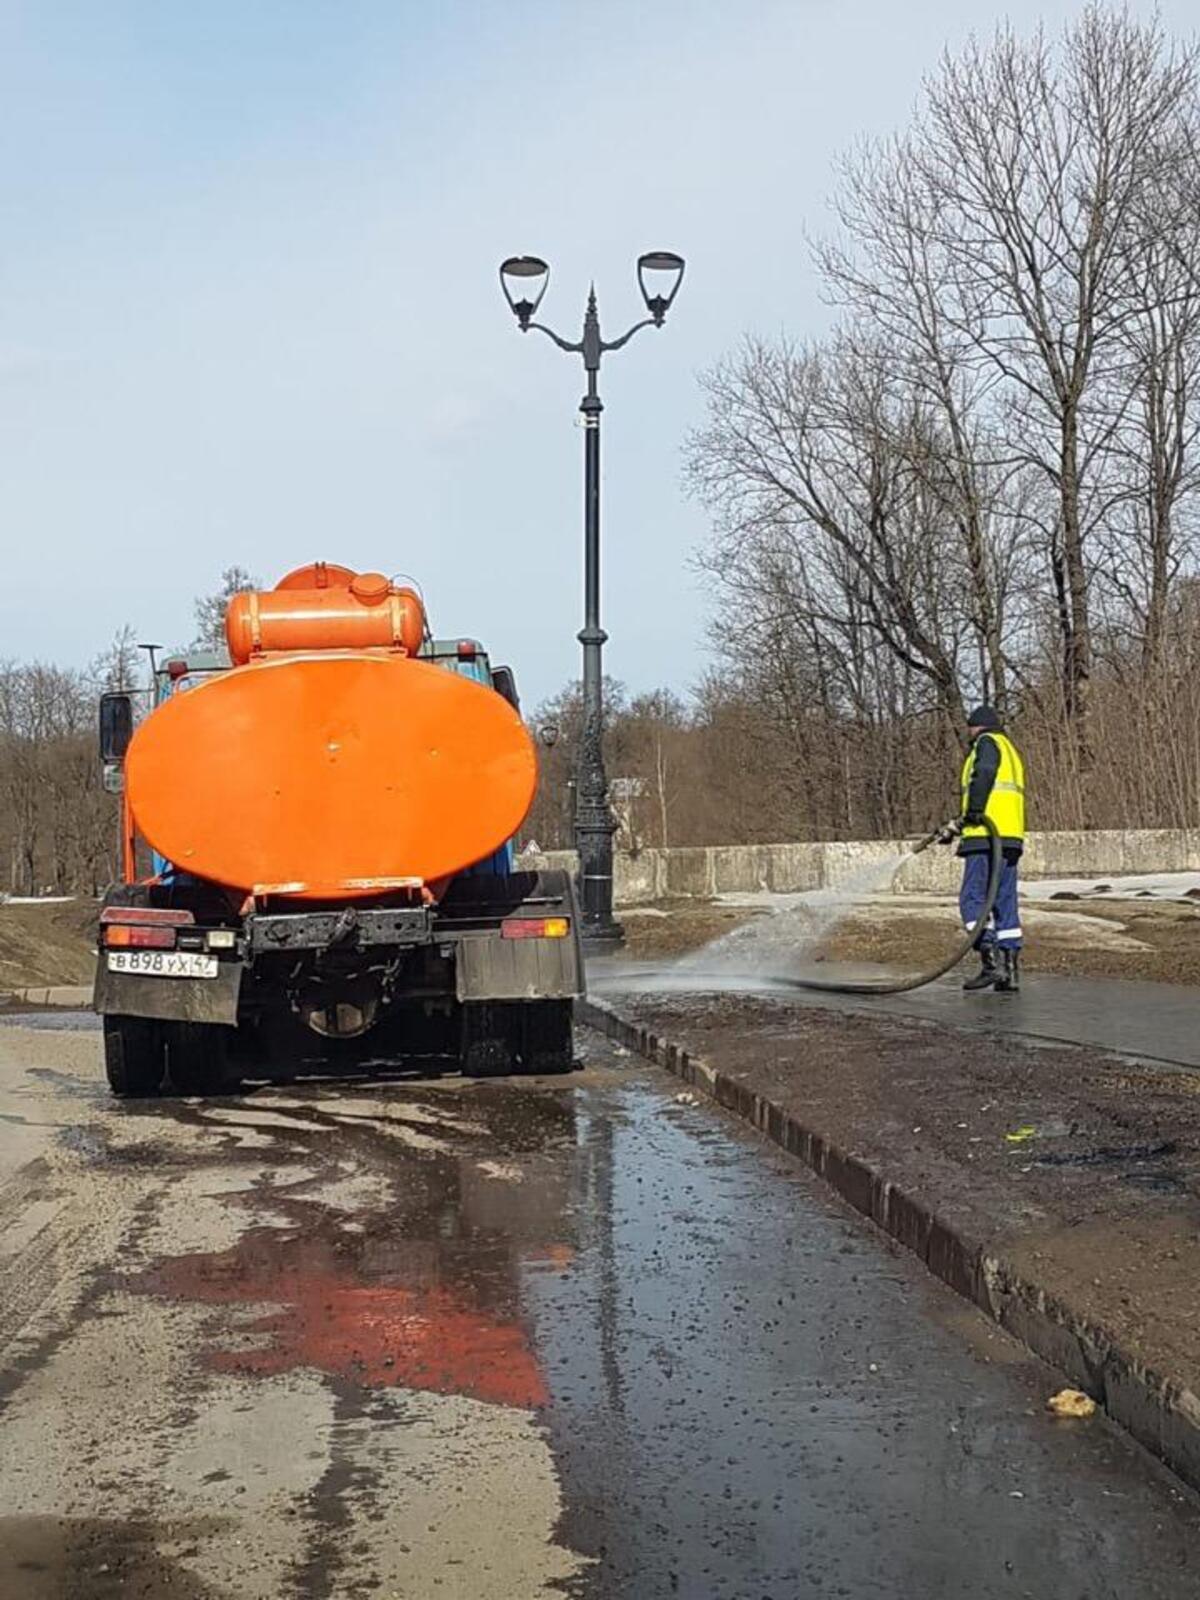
(524, 280)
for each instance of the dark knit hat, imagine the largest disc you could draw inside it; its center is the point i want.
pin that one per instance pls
(984, 717)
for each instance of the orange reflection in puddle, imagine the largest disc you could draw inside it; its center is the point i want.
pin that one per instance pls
(425, 1336)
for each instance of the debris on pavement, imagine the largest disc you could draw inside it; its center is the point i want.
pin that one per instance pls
(1071, 1403)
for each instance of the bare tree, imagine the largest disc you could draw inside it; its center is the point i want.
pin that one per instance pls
(891, 271)
(1035, 162)
(656, 737)
(210, 608)
(1155, 470)
(118, 667)
(818, 508)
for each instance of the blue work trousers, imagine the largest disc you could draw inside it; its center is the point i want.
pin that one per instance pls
(1004, 925)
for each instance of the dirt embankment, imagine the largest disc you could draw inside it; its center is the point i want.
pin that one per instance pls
(1157, 940)
(1109, 938)
(46, 944)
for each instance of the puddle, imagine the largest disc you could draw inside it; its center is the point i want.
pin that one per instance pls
(65, 1558)
(1107, 1155)
(69, 1083)
(1169, 1182)
(1140, 1161)
(423, 1292)
(91, 1144)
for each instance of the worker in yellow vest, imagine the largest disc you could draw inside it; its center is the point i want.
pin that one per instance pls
(993, 786)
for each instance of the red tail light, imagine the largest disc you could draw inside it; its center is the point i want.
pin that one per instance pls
(142, 927)
(137, 936)
(535, 928)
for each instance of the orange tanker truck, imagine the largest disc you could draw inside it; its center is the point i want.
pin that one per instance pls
(317, 866)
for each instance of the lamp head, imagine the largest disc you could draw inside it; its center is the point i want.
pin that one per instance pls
(522, 276)
(660, 272)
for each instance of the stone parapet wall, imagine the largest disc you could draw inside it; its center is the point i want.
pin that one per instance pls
(705, 871)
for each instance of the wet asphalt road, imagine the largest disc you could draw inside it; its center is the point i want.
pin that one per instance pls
(444, 1339)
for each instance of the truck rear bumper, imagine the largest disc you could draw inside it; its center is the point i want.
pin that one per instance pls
(295, 957)
(323, 930)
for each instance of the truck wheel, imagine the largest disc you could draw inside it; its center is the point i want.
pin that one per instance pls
(133, 1056)
(197, 1058)
(487, 1041)
(549, 1037)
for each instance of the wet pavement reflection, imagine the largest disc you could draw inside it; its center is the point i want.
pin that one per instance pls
(423, 1293)
(746, 1393)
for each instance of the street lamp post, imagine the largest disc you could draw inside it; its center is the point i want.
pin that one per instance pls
(520, 278)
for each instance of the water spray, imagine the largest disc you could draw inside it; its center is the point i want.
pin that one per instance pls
(946, 834)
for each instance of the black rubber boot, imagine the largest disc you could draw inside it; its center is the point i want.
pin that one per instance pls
(1010, 981)
(988, 975)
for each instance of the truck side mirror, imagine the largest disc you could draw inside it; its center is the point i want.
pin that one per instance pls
(116, 726)
(505, 684)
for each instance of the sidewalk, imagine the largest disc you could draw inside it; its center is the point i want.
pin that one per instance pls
(1056, 1187)
(1152, 1021)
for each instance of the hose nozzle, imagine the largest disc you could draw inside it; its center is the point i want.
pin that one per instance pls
(946, 834)
(950, 831)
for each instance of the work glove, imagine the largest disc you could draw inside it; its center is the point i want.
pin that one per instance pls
(973, 819)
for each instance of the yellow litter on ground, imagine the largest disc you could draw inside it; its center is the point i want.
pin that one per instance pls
(1071, 1403)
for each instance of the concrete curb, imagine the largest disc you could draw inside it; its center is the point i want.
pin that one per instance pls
(72, 996)
(1161, 1413)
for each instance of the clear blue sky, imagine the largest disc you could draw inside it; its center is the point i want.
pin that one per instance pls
(248, 298)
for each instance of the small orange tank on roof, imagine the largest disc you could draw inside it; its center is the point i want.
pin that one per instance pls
(324, 607)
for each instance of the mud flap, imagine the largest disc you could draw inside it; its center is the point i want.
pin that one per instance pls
(490, 967)
(130, 994)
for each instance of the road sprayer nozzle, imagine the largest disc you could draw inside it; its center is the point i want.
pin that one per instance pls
(946, 834)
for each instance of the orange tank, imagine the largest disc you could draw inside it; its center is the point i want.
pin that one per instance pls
(330, 775)
(324, 607)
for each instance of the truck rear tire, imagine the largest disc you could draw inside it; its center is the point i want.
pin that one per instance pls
(486, 1050)
(134, 1058)
(197, 1058)
(549, 1042)
(503, 1037)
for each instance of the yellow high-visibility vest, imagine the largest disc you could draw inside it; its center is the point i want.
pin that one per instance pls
(1005, 808)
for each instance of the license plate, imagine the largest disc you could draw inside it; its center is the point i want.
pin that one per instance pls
(163, 963)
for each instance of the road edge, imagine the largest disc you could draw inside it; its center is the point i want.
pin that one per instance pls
(1160, 1412)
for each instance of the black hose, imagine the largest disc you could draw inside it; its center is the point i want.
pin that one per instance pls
(920, 979)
